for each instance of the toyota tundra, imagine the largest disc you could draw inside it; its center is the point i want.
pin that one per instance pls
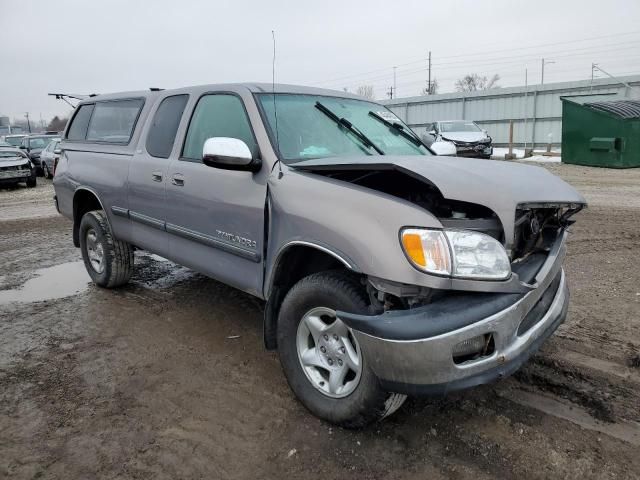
(386, 271)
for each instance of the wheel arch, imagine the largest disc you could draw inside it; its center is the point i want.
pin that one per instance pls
(85, 200)
(294, 261)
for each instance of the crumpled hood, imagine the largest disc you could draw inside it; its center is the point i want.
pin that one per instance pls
(464, 136)
(13, 161)
(498, 185)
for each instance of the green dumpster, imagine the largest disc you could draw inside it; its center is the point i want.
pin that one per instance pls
(601, 131)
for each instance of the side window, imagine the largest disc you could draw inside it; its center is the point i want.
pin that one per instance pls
(113, 121)
(163, 130)
(217, 115)
(80, 123)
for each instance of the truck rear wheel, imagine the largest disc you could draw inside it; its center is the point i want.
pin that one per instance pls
(320, 356)
(108, 261)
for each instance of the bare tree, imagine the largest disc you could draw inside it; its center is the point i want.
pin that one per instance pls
(57, 124)
(365, 91)
(431, 89)
(474, 82)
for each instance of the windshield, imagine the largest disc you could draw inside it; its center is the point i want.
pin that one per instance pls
(459, 127)
(40, 142)
(305, 130)
(15, 141)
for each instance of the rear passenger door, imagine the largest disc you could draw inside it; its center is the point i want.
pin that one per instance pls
(148, 176)
(215, 217)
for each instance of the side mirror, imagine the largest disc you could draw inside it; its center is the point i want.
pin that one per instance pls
(485, 132)
(23, 147)
(229, 154)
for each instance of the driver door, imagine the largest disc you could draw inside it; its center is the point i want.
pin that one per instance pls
(215, 217)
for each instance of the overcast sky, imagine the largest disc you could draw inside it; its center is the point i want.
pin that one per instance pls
(101, 46)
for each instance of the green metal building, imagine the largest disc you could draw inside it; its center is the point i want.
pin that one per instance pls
(601, 131)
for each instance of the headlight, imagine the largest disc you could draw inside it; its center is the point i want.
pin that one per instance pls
(456, 253)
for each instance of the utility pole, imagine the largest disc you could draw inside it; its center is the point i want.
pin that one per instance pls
(544, 62)
(593, 68)
(429, 81)
(394, 80)
(526, 108)
(390, 92)
(28, 123)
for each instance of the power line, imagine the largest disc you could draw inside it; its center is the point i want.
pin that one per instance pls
(519, 60)
(480, 53)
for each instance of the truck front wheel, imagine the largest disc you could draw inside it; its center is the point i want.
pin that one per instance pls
(108, 261)
(320, 356)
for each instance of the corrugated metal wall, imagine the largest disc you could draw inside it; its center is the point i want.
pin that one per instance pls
(536, 111)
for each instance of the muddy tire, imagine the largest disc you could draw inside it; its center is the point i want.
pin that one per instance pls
(108, 261)
(45, 171)
(31, 182)
(315, 348)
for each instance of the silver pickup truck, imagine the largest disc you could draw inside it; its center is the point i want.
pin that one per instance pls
(386, 271)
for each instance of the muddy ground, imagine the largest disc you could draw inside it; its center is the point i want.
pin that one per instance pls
(167, 377)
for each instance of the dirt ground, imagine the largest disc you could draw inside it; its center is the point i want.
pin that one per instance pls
(168, 378)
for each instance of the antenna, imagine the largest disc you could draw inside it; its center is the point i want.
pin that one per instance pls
(273, 94)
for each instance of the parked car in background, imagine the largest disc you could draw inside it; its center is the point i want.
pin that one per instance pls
(7, 129)
(386, 270)
(15, 167)
(49, 158)
(14, 140)
(33, 145)
(470, 140)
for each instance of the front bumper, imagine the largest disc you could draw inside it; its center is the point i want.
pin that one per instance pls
(15, 175)
(474, 150)
(424, 364)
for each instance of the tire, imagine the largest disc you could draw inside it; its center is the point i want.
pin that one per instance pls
(31, 182)
(97, 243)
(362, 400)
(45, 171)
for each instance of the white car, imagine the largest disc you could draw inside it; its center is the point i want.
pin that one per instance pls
(467, 137)
(49, 157)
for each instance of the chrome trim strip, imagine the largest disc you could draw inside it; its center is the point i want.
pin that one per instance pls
(149, 221)
(319, 247)
(120, 211)
(210, 241)
(92, 191)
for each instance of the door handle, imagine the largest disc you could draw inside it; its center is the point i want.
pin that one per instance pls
(178, 180)
(156, 176)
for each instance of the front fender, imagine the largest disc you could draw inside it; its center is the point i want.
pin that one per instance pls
(357, 225)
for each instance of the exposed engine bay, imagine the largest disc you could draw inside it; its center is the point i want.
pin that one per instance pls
(536, 226)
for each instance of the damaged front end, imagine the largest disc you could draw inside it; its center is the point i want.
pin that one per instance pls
(423, 340)
(527, 235)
